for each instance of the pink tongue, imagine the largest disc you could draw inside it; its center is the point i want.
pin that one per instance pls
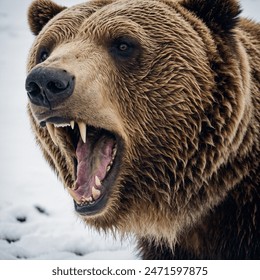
(92, 161)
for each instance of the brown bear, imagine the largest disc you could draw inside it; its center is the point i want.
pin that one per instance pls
(148, 111)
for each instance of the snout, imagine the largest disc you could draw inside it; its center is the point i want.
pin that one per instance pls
(48, 87)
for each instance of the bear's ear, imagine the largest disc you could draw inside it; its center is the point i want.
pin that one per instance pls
(40, 12)
(218, 15)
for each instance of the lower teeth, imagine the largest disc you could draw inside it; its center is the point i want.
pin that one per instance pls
(87, 203)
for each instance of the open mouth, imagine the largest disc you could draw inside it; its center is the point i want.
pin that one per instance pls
(96, 160)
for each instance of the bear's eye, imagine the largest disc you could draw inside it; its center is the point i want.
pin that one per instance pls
(43, 56)
(123, 47)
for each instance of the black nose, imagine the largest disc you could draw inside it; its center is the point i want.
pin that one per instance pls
(48, 87)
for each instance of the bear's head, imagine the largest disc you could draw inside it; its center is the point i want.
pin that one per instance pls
(132, 106)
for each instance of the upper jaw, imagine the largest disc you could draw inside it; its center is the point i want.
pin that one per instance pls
(56, 122)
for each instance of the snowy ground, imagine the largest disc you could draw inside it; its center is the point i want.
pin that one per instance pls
(36, 214)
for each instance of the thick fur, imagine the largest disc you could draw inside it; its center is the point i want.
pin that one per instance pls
(187, 107)
(220, 16)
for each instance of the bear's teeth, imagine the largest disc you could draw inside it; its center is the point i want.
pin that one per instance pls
(114, 152)
(51, 131)
(61, 124)
(89, 199)
(112, 159)
(97, 181)
(86, 200)
(96, 193)
(83, 131)
(72, 124)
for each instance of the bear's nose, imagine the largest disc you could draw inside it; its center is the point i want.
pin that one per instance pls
(48, 87)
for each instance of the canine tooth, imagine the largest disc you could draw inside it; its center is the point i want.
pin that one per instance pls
(72, 124)
(96, 193)
(51, 131)
(108, 168)
(97, 181)
(83, 131)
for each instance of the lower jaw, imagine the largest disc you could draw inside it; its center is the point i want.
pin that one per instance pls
(90, 209)
(96, 206)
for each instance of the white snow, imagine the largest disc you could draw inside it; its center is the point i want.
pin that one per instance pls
(36, 214)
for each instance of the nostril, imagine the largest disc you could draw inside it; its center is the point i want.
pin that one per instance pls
(33, 89)
(35, 93)
(57, 86)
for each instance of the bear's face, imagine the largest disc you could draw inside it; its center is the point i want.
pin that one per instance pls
(120, 95)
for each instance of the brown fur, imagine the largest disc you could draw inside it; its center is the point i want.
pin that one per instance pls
(186, 105)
